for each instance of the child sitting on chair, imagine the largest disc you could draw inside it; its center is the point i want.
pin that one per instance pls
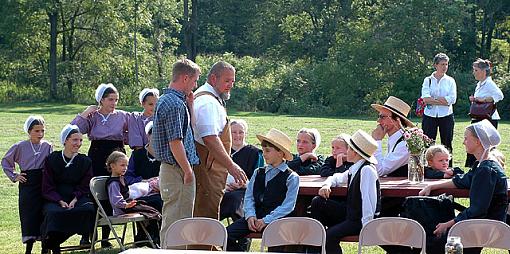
(363, 193)
(336, 163)
(438, 158)
(271, 193)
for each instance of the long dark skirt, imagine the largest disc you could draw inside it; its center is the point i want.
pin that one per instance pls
(30, 205)
(99, 152)
(79, 220)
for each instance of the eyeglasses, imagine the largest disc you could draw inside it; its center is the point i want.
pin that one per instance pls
(382, 116)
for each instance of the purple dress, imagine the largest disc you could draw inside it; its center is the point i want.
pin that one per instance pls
(30, 158)
(108, 133)
(136, 129)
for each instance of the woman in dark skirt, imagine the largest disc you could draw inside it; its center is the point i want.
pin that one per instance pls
(68, 208)
(107, 128)
(29, 155)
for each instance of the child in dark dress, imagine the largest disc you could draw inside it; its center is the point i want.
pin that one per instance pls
(337, 162)
(438, 158)
(30, 156)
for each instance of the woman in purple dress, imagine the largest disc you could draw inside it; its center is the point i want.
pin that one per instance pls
(29, 155)
(107, 129)
(138, 120)
(68, 208)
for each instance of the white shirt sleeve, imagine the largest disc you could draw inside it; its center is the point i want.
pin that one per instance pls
(425, 88)
(451, 96)
(337, 179)
(368, 190)
(393, 160)
(206, 123)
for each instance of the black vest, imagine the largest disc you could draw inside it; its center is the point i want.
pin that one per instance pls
(267, 198)
(402, 170)
(66, 179)
(143, 167)
(354, 202)
(124, 189)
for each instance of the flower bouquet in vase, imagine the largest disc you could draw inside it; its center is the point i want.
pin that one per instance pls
(417, 143)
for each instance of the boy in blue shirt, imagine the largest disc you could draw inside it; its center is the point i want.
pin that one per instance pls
(271, 193)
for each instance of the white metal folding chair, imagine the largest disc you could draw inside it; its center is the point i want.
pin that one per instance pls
(393, 231)
(98, 189)
(482, 233)
(294, 231)
(196, 231)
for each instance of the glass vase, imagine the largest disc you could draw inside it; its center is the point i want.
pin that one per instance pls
(416, 168)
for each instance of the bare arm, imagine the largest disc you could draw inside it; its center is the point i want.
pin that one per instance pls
(179, 154)
(445, 185)
(215, 147)
(439, 101)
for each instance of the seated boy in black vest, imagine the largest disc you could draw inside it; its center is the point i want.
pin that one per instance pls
(363, 194)
(271, 193)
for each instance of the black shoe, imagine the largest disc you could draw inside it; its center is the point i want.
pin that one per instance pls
(84, 242)
(106, 245)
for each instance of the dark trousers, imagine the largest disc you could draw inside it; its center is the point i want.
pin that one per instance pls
(237, 233)
(445, 124)
(470, 159)
(336, 232)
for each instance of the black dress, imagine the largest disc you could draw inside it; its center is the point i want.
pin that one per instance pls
(66, 183)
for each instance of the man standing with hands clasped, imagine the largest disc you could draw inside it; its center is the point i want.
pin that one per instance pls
(174, 145)
(213, 141)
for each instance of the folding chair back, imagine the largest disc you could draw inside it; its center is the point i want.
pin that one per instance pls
(393, 231)
(97, 187)
(294, 231)
(482, 233)
(196, 231)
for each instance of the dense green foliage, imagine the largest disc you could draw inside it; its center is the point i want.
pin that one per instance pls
(329, 57)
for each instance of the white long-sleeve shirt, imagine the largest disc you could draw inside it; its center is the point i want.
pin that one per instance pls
(394, 158)
(487, 88)
(433, 88)
(367, 187)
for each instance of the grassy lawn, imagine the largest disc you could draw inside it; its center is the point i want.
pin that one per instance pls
(13, 116)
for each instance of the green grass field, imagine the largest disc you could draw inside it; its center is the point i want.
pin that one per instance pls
(13, 116)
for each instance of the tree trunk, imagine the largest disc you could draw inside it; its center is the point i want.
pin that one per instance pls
(490, 32)
(52, 15)
(194, 29)
(484, 33)
(186, 27)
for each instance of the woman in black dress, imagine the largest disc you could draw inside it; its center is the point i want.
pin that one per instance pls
(68, 208)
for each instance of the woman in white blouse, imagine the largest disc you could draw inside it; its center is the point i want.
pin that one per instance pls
(486, 91)
(439, 92)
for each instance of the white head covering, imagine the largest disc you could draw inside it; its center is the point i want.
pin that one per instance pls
(66, 130)
(146, 91)
(148, 127)
(487, 134)
(100, 90)
(30, 120)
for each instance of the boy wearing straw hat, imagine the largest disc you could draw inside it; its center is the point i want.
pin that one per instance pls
(391, 120)
(363, 193)
(271, 193)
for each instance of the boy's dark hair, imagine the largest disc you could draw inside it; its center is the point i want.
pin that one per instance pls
(266, 143)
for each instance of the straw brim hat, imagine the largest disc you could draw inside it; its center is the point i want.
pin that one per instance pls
(278, 139)
(364, 145)
(396, 106)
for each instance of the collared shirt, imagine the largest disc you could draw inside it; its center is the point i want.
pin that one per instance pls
(445, 87)
(113, 126)
(172, 122)
(27, 155)
(290, 197)
(367, 187)
(487, 88)
(210, 116)
(397, 154)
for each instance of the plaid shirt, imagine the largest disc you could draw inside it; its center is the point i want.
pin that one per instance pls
(171, 122)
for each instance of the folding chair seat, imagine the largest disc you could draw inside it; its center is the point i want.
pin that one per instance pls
(98, 190)
(294, 231)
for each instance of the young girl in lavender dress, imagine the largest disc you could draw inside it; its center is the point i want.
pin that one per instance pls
(138, 120)
(107, 128)
(29, 155)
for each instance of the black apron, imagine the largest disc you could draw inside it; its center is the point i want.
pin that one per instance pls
(30, 203)
(99, 152)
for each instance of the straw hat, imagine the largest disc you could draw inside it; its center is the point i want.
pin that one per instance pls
(364, 145)
(396, 106)
(280, 140)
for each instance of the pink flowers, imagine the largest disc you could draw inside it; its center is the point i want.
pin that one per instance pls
(416, 141)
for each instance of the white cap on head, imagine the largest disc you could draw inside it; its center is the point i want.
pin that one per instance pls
(148, 127)
(30, 120)
(100, 90)
(146, 91)
(487, 134)
(66, 130)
